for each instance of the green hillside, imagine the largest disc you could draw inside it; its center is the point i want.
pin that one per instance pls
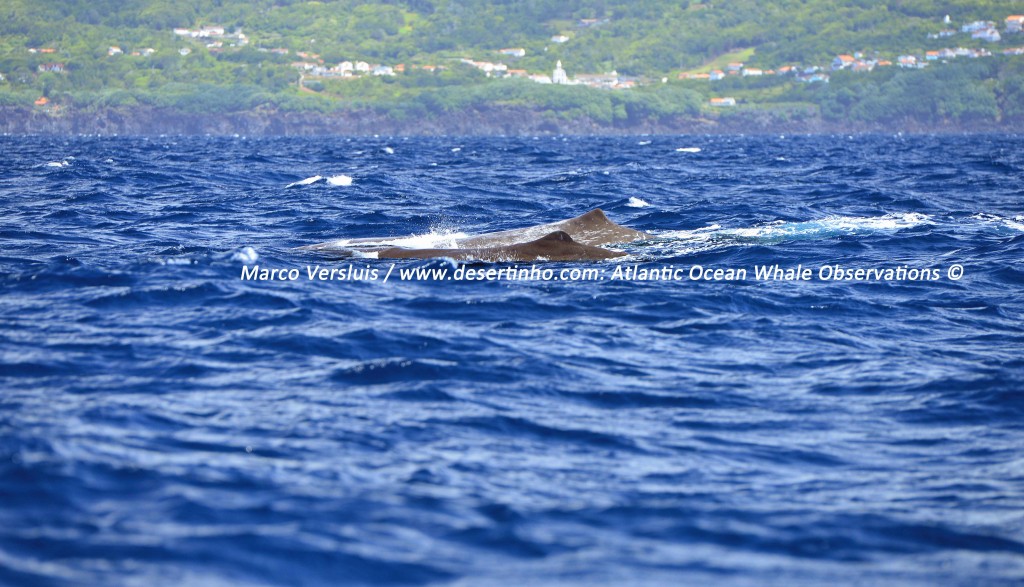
(121, 54)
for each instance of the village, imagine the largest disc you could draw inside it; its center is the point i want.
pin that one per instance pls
(311, 66)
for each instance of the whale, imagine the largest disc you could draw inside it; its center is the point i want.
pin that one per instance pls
(555, 246)
(581, 238)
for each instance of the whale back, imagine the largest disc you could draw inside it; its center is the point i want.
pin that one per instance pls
(555, 246)
(592, 228)
(579, 238)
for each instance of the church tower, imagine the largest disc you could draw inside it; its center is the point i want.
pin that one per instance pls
(558, 76)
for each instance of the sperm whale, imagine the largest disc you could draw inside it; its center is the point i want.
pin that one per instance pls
(581, 238)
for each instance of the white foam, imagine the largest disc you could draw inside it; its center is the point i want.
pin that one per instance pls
(306, 181)
(644, 143)
(456, 149)
(340, 180)
(389, 150)
(177, 261)
(59, 164)
(688, 150)
(246, 255)
(832, 225)
(635, 202)
(435, 239)
(1016, 223)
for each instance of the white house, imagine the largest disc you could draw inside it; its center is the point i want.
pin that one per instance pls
(516, 52)
(362, 67)
(114, 51)
(991, 35)
(559, 39)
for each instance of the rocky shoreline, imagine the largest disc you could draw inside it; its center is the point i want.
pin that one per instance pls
(481, 122)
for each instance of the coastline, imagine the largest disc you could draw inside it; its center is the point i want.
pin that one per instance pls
(491, 121)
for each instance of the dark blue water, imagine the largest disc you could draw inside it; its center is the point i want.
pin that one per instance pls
(163, 422)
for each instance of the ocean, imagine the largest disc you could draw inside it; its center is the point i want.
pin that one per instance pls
(811, 372)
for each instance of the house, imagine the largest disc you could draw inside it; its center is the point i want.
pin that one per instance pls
(514, 52)
(1014, 23)
(991, 35)
(48, 50)
(148, 51)
(598, 80)
(813, 77)
(559, 39)
(885, 63)
(720, 102)
(114, 51)
(184, 51)
(947, 54)
(733, 68)
(346, 67)
(183, 32)
(842, 62)
(511, 72)
(52, 67)
(211, 31)
(752, 72)
(716, 75)
(362, 67)
(861, 66)
(978, 25)
(540, 79)
(42, 101)
(379, 70)
(908, 61)
(932, 55)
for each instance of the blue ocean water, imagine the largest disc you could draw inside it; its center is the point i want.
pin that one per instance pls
(165, 422)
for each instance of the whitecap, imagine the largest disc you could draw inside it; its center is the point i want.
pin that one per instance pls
(456, 149)
(177, 261)
(1016, 223)
(435, 239)
(389, 150)
(635, 202)
(306, 181)
(688, 150)
(58, 164)
(246, 255)
(340, 180)
(830, 226)
(644, 143)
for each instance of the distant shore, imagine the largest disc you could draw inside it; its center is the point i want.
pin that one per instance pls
(497, 121)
